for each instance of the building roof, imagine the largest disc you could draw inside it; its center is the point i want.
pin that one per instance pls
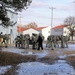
(60, 26)
(40, 28)
(21, 29)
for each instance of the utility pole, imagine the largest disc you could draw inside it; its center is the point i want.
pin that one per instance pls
(52, 8)
(20, 22)
(20, 16)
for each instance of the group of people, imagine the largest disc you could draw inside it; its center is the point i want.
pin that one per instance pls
(23, 41)
(36, 40)
(54, 41)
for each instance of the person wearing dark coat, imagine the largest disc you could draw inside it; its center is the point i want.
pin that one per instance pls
(40, 42)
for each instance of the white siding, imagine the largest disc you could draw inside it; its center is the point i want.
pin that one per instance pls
(60, 31)
(13, 18)
(57, 31)
(30, 31)
(46, 32)
(66, 32)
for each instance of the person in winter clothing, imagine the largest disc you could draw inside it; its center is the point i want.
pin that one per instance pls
(40, 41)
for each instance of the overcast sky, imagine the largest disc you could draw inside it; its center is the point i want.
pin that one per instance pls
(39, 11)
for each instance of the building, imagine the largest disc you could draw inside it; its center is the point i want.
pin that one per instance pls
(11, 30)
(30, 31)
(60, 30)
(44, 30)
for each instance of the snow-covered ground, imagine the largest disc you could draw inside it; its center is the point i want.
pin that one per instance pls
(40, 53)
(4, 69)
(37, 68)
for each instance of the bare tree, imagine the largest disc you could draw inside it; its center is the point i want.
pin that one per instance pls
(71, 22)
(16, 5)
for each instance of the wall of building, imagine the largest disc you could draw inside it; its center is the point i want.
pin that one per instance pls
(13, 18)
(46, 32)
(30, 31)
(60, 31)
(66, 31)
(57, 31)
(11, 30)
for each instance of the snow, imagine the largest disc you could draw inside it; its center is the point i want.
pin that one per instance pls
(4, 69)
(36, 68)
(62, 56)
(14, 50)
(60, 67)
(70, 47)
(40, 54)
(23, 51)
